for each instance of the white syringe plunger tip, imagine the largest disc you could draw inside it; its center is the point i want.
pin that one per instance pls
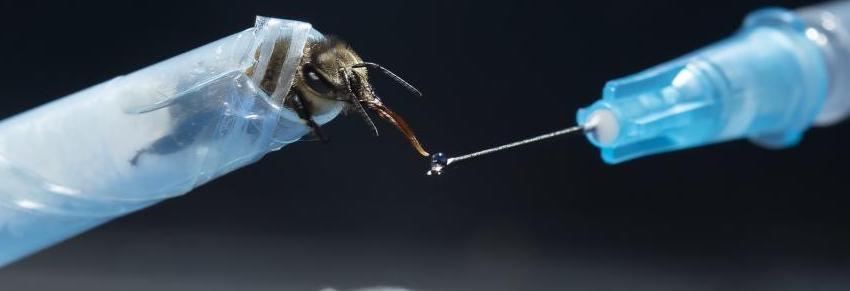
(602, 126)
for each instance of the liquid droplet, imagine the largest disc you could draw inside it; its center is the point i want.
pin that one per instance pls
(439, 161)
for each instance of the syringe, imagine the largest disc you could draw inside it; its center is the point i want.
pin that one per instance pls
(781, 73)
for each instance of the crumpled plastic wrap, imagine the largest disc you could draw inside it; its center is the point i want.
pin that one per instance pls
(156, 133)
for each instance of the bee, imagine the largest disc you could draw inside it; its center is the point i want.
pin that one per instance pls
(332, 71)
(329, 71)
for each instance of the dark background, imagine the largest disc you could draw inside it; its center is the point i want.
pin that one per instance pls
(359, 212)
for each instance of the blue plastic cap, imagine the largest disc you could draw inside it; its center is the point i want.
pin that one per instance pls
(767, 82)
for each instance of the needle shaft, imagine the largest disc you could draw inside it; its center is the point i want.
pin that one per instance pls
(439, 162)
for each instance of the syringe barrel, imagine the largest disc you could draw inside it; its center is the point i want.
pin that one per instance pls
(135, 140)
(769, 82)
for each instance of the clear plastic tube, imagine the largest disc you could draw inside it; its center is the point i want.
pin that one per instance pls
(135, 140)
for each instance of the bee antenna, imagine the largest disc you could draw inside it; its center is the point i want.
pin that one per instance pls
(349, 79)
(390, 74)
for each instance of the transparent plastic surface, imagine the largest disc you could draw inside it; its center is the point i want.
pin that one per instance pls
(130, 142)
(829, 29)
(766, 83)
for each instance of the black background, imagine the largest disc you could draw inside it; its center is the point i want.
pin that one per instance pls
(359, 212)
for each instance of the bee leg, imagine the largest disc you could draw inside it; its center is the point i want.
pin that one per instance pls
(180, 137)
(135, 160)
(302, 108)
(155, 148)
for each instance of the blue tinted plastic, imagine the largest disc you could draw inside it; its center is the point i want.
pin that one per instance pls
(130, 142)
(766, 83)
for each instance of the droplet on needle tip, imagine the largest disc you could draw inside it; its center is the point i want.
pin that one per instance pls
(439, 161)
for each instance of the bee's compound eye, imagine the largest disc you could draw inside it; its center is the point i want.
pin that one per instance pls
(315, 81)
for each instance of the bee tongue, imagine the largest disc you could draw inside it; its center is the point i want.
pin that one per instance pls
(387, 114)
